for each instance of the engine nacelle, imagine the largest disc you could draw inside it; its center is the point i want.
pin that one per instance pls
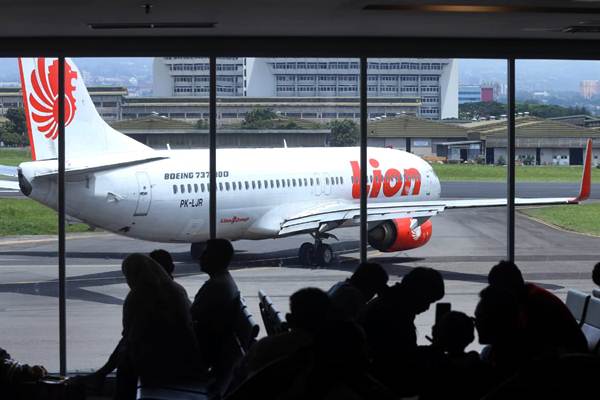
(396, 235)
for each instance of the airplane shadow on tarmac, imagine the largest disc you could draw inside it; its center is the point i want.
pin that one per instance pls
(76, 285)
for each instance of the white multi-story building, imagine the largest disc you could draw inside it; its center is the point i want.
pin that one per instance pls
(434, 81)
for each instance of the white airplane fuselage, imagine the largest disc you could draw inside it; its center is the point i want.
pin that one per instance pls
(168, 200)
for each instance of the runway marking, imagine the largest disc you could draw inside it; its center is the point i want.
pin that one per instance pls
(7, 242)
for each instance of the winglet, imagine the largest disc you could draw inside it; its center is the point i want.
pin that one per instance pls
(586, 178)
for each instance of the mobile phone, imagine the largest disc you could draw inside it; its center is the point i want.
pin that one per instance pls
(441, 309)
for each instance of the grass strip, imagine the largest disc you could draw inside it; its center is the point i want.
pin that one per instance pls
(582, 218)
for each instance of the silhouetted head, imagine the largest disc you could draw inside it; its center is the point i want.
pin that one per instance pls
(310, 310)
(165, 260)
(216, 256)
(454, 332)
(370, 279)
(506, 276)
(496, 316)
(596, 274)
(142, 272)
(341, 348)
(423, 286)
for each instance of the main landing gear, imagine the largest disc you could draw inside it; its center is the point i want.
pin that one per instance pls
(319, 253)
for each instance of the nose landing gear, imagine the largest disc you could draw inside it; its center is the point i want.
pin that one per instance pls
(319, 253)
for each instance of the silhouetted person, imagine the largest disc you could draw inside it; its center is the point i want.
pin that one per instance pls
(158, 339)
(13, 374)
(310, 311)
(546, 321)
(390, 327)
(456, 373)
(498, 326)
(596, 279)
(213, 311)
(350, 296)
(164, 259)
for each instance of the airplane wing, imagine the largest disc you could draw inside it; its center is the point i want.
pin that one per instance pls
(334, 215)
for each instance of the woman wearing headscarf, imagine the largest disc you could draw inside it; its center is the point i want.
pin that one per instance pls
(158, 337)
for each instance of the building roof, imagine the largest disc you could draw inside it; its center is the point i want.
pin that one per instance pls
(529, 126)
(410, 126)
(152, 122)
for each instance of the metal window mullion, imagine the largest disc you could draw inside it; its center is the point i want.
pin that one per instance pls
(363, 159)
(62, 327)
(510, 148)
(212, 143)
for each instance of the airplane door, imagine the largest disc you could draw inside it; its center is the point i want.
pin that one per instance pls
(144, 194)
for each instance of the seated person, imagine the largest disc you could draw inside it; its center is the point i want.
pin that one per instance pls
(457, 374)
(310, 311)
(96, 379)
(391, 333)
(13, 374)
(159, 344)
(596, 279)
(349, 297)
(549, 326)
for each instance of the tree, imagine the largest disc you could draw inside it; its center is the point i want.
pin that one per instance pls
(259, 118)
(10, 138)
(16, 118)
(343, 133)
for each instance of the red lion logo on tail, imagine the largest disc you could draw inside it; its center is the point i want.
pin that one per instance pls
(44, 99)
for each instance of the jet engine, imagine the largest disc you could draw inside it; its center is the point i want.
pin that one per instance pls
(400, 234)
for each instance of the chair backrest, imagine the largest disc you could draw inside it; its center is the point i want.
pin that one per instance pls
(272, 318)
(591, 325)
(577, 302)
(245, 327)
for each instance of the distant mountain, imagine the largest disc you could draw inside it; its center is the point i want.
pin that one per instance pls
(532, 75)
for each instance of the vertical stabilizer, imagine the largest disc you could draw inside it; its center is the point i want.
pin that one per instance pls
(86, 132)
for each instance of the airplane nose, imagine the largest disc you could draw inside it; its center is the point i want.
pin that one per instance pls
(24, 184)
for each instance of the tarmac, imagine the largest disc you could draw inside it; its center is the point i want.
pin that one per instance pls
(465, 244)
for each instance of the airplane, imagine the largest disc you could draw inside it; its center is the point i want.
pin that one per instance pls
(123, 186)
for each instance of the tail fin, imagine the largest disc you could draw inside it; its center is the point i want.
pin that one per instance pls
(586, 178)
(86, 132)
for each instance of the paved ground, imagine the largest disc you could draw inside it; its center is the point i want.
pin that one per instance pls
(465, 244)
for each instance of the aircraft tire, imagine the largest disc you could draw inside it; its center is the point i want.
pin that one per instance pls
(324, 255)
(196, 250)
(306, 254)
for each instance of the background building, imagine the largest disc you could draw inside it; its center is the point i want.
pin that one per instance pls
(469, 94)
(433, 81)
(589, 88)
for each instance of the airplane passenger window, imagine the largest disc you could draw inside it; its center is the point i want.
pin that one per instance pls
(253, 185)
(247, 185)
(341, 180)
(221, 186)
(233, 185)
(272, 184)
(226, 185)
(258, 182)
(282, 183)
(175, 189)
(267, 184)
(202, 187)
(189, 188)
(326, 180)
(312, 182)
(294, 182)
(277, 182)
(318, 182)
(305, 182)
(182, 187)
(288, 182)
(195, 188)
